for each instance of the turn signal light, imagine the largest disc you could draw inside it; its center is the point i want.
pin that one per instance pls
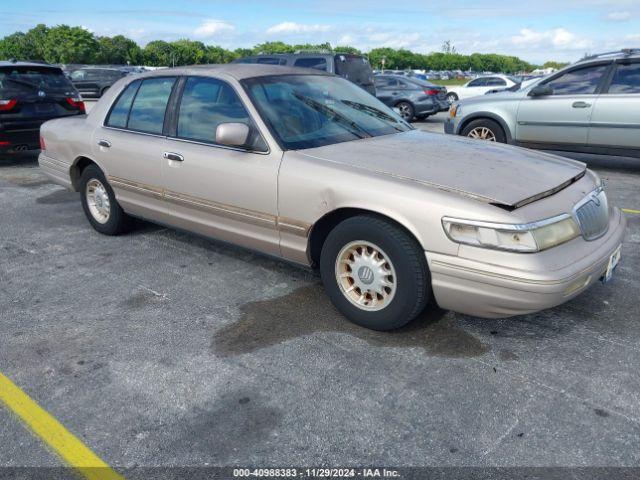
(43, 147)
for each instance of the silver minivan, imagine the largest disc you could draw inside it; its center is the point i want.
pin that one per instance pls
(592, 106)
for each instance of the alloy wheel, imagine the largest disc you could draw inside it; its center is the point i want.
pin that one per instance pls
(366, 275)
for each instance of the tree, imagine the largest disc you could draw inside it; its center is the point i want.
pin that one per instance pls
(119, 50)
(65, 44)
(447, 47)
(14, 46)
(347, 49)
(157, 54)
(556, 65)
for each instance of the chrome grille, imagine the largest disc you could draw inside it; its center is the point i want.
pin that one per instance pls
(592, 214)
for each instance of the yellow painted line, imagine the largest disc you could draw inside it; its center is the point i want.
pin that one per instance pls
(53, 433)
(629, 210)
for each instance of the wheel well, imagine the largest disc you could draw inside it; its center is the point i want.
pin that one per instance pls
(77, 168)
(321, 229)
(473, 119)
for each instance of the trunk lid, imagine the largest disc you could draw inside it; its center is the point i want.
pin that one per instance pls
(495, 173)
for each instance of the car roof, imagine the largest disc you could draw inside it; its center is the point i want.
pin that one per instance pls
(632, 53)
(239, 71)
(12, 63)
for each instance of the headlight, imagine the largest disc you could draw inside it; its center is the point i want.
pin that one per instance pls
(527, 237)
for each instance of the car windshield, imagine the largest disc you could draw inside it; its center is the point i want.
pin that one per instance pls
(306, 111)
(32, 79)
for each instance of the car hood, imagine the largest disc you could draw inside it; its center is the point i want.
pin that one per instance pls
(491, 172)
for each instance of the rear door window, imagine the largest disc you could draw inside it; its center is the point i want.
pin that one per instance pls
(582, 81)
(496, 82)
(150, 104)
(626, 79)
(318, 63)
(120, 111)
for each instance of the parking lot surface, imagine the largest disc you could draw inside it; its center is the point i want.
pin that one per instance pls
(161, 348)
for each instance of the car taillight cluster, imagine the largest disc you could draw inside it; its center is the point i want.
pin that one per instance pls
(431, 92)
(6, 105)
(76, 102)
(43, 147)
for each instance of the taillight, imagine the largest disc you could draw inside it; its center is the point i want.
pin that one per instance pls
(76, 102)
(43, 147)
(6, 105)
(431, 92)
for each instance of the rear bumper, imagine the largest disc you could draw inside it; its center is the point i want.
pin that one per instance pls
(490, 291)
(19, 140)
(56, 170)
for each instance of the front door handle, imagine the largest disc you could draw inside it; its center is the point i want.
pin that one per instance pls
(176, 157)
(581, 105)
(104, 143)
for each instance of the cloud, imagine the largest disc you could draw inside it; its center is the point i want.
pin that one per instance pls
(619, 16)
(211, 28)
(558, 38)
(291, 28)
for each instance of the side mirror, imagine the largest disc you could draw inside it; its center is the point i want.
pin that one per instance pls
(232, 134)
(541, 91)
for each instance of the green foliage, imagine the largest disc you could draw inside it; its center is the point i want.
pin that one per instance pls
(556, 65)
(65, 44)
(119, 50)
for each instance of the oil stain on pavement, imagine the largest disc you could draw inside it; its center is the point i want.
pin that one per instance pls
(307, 310)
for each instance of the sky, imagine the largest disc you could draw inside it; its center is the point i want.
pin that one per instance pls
(534, 30)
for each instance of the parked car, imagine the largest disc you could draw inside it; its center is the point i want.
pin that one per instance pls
(308, 167)
(354, 68)
(92, 82)
(413, 98)
(592, 106)
(30, 94)
(479, 86)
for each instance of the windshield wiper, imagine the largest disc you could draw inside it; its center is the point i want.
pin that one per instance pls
(355, 129)
(369, 110)
(22, 82)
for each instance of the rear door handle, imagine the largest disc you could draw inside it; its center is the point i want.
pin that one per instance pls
(104, 143)
(581, 105)
(176, 157)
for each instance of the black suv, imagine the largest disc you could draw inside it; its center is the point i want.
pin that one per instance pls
(94, 81)
(355, 68)
(31, 94)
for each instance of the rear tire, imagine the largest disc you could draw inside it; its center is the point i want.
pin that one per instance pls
(375, 273)
(407, 112)
(100, 205)
(452, 97)
(485, 129)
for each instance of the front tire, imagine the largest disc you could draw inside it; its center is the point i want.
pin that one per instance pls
(100, 205)
(375, 273)
(485, 129)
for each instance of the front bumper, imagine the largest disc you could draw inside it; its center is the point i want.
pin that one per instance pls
(490, 291)
(449, 126)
